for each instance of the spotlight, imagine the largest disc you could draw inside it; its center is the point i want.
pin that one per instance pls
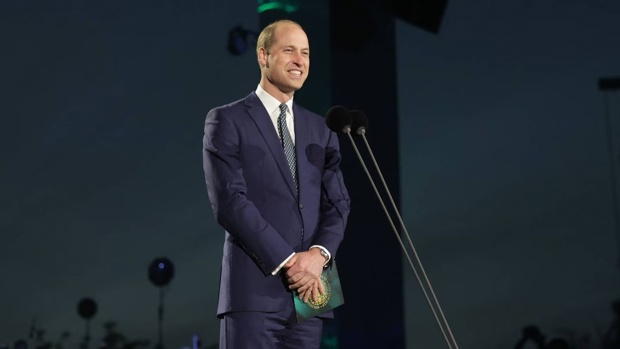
(161, 271)
(87, 308)
(238, 40)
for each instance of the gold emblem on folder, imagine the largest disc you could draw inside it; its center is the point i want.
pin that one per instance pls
(323, 298)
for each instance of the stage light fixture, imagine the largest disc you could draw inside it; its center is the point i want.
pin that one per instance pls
(161, 271)
(87, 308)
(240, 39)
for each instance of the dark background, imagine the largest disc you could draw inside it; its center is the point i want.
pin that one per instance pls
(504, 166)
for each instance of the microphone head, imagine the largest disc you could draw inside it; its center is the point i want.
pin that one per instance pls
(339, 119)
(360, 122)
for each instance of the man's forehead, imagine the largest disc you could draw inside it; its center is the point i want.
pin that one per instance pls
(288, 29)
(289, 39)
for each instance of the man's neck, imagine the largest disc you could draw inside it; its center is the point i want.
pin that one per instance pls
(282, 97)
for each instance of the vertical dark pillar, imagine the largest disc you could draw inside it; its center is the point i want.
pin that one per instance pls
(363, 62)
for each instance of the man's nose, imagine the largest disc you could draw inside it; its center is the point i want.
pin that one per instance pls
(298, 58)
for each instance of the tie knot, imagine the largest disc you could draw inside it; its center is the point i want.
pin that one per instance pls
(282, 108)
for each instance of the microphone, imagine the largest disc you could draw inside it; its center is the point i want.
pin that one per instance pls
(339, 119)
(359, 126)
(360, 122)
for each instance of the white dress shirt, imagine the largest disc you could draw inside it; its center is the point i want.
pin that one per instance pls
(272, 105)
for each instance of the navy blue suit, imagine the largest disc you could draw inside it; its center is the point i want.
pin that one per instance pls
(254, 199)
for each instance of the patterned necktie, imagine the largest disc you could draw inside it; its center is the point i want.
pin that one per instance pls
(287, 143)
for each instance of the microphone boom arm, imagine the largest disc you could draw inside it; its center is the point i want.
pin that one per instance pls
(362, 132)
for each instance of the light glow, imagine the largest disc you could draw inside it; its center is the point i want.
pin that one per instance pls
(287, 6)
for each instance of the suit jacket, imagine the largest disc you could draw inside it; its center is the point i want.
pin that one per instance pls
(253, 197)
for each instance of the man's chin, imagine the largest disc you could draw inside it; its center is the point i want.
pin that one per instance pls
(290, 88)
(296, 86)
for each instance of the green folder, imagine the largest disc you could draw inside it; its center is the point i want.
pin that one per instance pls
(331, 299)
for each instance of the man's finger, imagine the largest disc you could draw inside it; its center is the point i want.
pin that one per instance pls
(307, 295)
(321, 286)
(315, 292)
(301, 282)
(303, 289)
(304, 296)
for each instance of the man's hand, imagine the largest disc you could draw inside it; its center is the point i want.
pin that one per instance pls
(313, 291)
(303, 273)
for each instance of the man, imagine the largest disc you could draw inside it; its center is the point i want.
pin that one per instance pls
(273, 178)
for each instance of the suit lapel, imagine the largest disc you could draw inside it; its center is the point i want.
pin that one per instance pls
(267, 130)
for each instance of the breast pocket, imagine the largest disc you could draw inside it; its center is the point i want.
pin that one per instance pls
(315, 154)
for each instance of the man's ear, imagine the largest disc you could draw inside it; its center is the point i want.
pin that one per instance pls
(262, 57)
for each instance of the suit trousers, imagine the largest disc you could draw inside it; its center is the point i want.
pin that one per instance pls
(277, 330)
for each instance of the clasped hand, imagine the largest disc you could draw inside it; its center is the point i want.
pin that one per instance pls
(303, 273)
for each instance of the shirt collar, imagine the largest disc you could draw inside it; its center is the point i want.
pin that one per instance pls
(271, 103)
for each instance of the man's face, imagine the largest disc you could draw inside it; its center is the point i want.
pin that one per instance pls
(287, 63)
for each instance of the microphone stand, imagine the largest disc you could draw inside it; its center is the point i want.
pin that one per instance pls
(362, 131)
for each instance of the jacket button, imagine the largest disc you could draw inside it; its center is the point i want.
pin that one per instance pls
(301, 206)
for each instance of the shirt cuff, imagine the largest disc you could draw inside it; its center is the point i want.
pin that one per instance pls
(329, 256)
(276, 270)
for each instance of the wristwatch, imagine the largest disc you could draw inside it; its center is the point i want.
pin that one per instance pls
(324, 254)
